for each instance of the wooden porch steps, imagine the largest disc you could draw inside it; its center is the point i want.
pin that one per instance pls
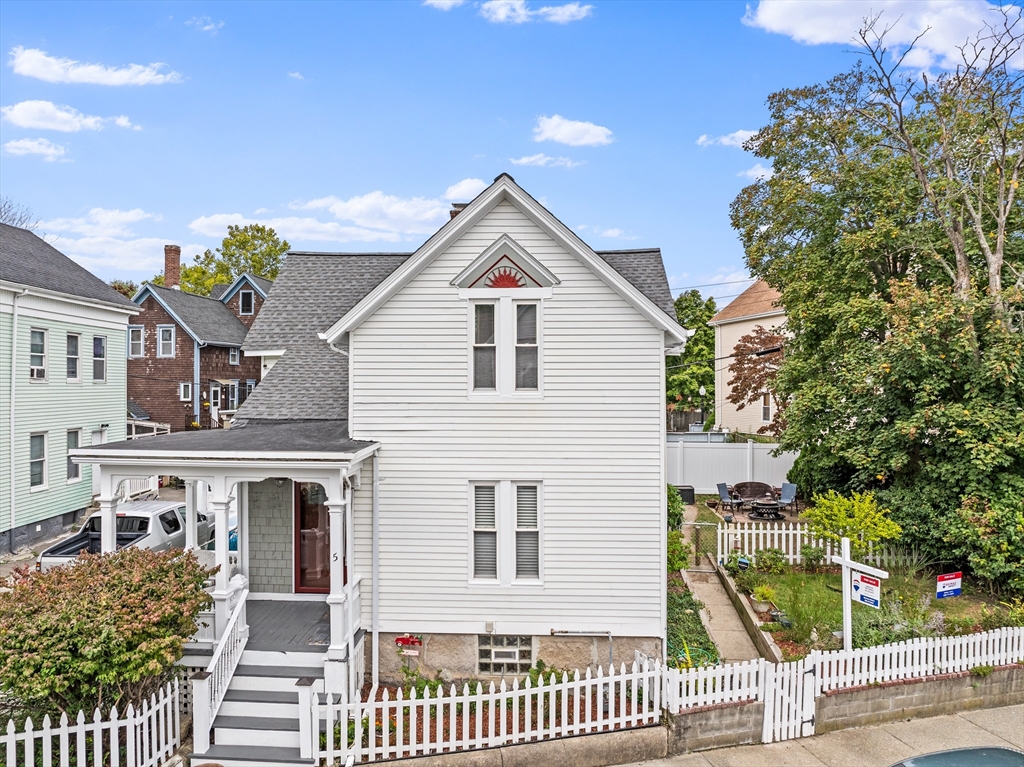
(253, 756)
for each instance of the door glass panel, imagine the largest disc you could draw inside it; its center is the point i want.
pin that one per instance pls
(313, 538)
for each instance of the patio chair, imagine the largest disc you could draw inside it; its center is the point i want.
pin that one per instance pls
(787, 498)
(753, 491)
(725, 498)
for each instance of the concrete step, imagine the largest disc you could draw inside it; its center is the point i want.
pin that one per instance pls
(273, 703)
(256, 731)
(252, 756)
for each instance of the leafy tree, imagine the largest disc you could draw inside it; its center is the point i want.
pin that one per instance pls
(858, 518)
(105, 631)
(893, 230)
(126, 288)
(695, 367)
(755, 370)
(253, 248)
(17, 215)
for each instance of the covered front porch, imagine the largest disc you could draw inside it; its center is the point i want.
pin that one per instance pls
(286, 594)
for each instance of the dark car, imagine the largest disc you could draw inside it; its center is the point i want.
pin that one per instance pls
(984, 756)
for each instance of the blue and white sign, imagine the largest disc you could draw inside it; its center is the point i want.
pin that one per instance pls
(948, 585)
(866, 590)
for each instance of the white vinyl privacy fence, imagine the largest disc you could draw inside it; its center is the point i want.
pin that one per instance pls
(704, 465)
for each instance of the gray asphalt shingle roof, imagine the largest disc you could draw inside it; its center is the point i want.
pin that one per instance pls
(218, 290)
(27, 259)
(645, 269)
(206, 319)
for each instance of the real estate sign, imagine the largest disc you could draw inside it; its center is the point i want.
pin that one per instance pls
(866, 589)
(948, 585)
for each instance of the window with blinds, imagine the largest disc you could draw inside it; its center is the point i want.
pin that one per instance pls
(527, 534)
(526, 347)
(485, 350)
(485, 532)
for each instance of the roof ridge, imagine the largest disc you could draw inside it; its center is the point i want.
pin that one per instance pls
(181, 292)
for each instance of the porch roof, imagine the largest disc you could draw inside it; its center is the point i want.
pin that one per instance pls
(270, 440)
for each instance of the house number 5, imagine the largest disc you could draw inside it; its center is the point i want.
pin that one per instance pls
(334, 557)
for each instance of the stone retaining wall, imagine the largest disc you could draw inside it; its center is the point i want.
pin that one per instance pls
(724, 724)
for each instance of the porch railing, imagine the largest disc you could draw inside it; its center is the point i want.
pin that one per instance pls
(209, 687)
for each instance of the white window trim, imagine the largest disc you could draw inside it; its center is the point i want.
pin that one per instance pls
(216, 387)
(234, 355)
(46, 356)
(45, 459)
(142, 341)
(766, 410)
(160, 344)
(76, 480)
(505, 342)
(105, 358)
(250, 387)
(67, 356)
(182, 388)
(505, 525)
(252, 294)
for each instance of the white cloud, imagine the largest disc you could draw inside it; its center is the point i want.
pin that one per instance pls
(736, 139)
(258, 211)
(759, 171)
(291, 227)
(545, 161)
(40, 146)
(444, 5)
(33, 62)
(465, 190)
(100, 222)
(296, 76)
(46, 115)
(816, 22)
(571, 132)
(613, 233)
(205, 24)
(518, 12)
(142, 256)
(376, 210)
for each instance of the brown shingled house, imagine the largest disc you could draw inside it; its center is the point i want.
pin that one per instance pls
(757, 305)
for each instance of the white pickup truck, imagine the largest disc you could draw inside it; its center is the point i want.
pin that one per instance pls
(157, 525)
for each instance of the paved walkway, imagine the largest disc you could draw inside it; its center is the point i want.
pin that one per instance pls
(726, 629)
(879, 746)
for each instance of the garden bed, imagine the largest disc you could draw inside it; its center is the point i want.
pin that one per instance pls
(686, 632)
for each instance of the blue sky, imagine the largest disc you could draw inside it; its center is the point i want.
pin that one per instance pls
(351, 126)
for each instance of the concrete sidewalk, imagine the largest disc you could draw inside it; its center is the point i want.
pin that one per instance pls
(879, 746)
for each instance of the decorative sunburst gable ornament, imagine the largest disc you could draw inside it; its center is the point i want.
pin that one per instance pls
(505, 277)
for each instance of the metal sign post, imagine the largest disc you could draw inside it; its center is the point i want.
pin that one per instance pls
(868, 593)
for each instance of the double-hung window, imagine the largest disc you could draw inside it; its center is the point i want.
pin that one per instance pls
(766, 407)
(37, 355)
(74, 470)
(37, 461)
(165, 341)
(506, 532)
(185, 391)
(485, 350)
(136, 341)
(506, 348)
(526, 347)
(74, 359)
(233, 355)
(250, 384)
(246, 302)
(99, 358)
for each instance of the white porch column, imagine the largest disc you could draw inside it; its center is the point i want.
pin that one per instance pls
(202, 497)
(335, 673)
(242, 504)
(191, 518)
(218, 505)
(108, 524)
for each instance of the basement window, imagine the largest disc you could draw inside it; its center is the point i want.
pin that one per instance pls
(504, 654)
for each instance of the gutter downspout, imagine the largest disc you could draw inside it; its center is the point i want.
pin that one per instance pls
(14, 389)
(375, 569)
(196, 405)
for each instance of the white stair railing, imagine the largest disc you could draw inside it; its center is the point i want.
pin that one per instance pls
(209, 687)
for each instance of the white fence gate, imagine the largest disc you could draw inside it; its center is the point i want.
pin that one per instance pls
(704, 465)
(788, 701)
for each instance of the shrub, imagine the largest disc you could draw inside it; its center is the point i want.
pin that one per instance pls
(675, 508)
(771, 561)
(858, 518)
(104, 631)
(813, 556)
(679, 552)
(764, 593)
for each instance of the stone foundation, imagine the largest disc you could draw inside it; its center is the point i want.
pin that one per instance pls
(455, 656)
(724, 724)
(24, 536)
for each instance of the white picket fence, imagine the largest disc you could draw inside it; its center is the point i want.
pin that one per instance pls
(695, 687)
(482, 718)
(143, 737)
(747, 538)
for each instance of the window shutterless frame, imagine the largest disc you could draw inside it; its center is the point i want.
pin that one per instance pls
(485, 552)
(506, 347)
(233, 355)
(506, 533)
(766, 407)
(136, 341)
(74, 357)
(99, 358)
(185, 391)
(246, 302)
(165, 340)
(38, 339)
(74, 441)
(37, 470)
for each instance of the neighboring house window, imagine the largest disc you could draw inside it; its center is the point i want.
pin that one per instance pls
(233, 355)
(74, 440)
(506, 346)
(250, 384)
(99, 358)
(485, 532)
(506, 531)
(485, 351)
(165, 341)
(504, 654)
(766, 407)
(246, 302)
(37, 460)
(37, 355)
(136, 341)
(74, 357)
(185, 391)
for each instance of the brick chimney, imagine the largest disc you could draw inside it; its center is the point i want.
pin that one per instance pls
(457, 208)
(172, 266)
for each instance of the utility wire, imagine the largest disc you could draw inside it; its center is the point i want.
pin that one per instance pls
(713, 284)
(760, 353)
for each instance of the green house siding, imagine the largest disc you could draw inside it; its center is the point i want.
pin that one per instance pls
(55, 406)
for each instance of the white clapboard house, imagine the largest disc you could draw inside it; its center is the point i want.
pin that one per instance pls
(463, 444)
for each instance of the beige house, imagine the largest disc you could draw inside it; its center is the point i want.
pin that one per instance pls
(757, 305)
